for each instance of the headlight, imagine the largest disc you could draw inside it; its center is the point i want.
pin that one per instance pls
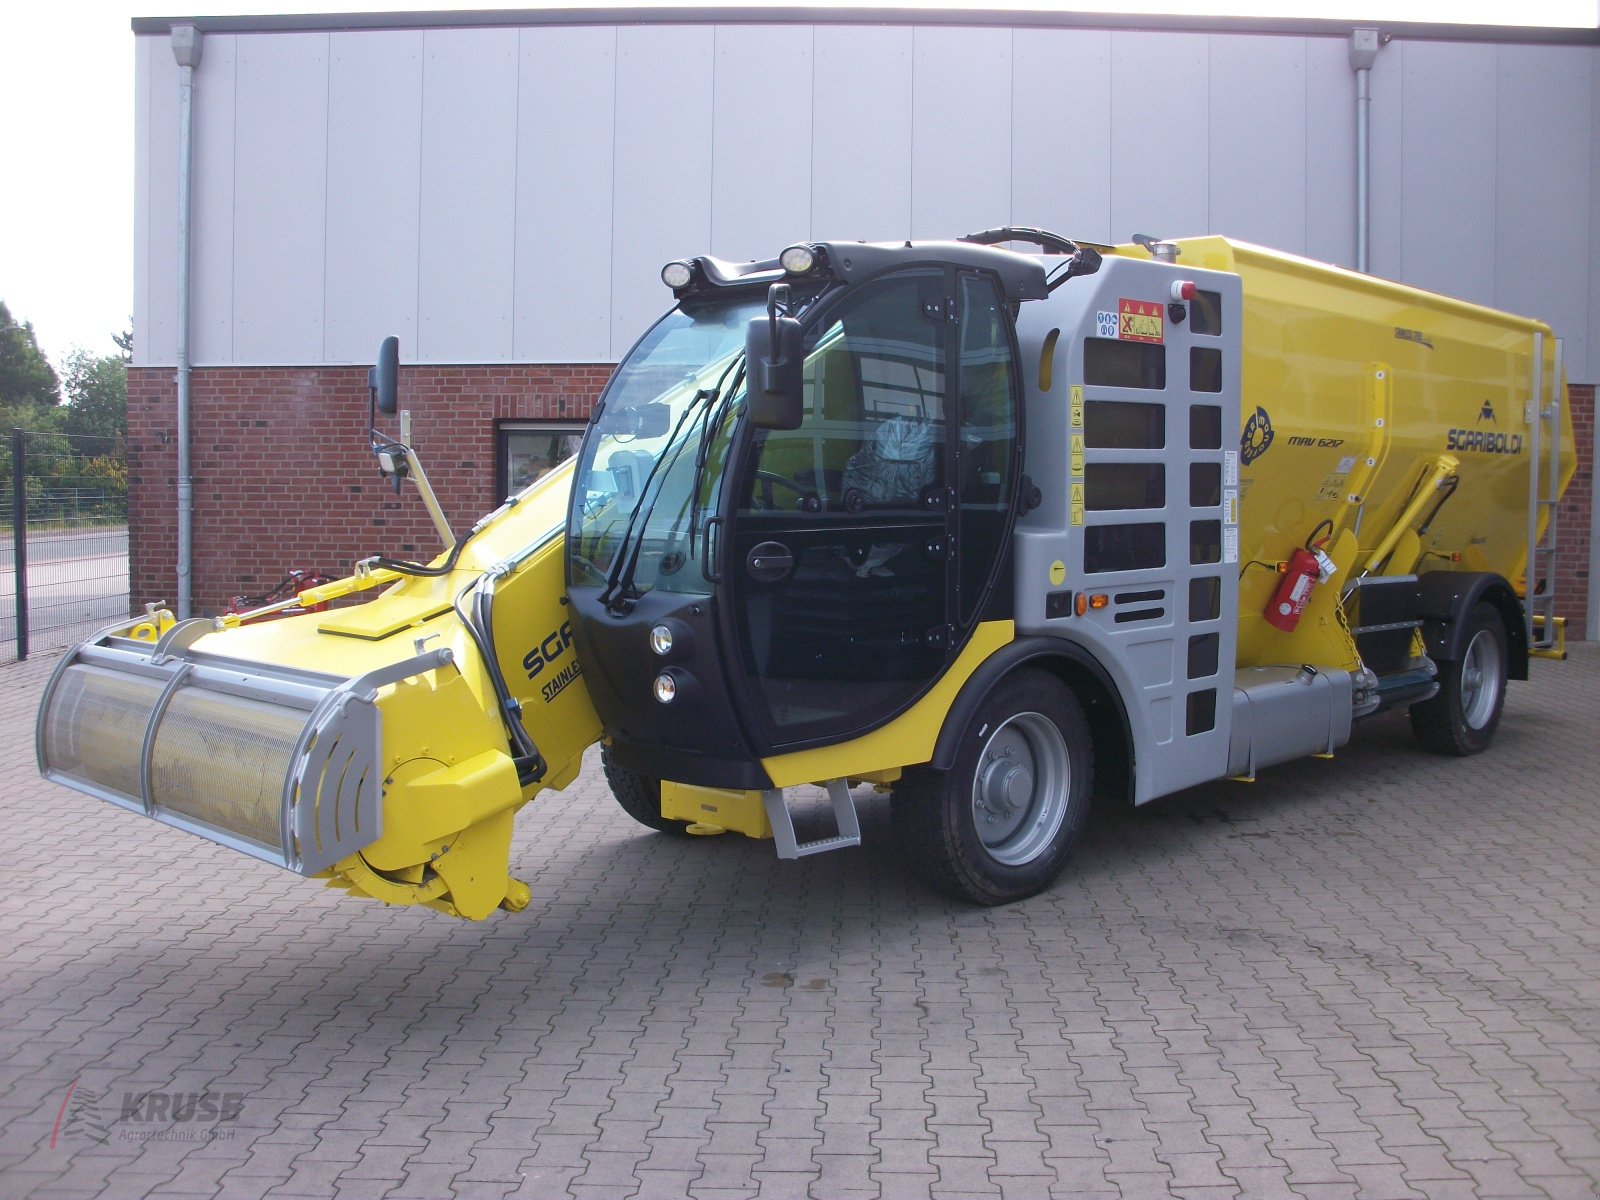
(666, 688)
(661, 640)
(677, 275)
(797, 260)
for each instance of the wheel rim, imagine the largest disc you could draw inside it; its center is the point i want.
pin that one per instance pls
(1021, 788)
(1480, 679)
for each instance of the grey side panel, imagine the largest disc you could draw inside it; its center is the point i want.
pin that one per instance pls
(1154, 528)
(1284, 713)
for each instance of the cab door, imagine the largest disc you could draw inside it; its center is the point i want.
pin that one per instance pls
(862, 544)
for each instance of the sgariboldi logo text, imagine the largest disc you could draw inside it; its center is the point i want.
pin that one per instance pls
(1483, 441)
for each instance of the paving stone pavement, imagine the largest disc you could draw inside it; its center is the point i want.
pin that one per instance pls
(1377, 977)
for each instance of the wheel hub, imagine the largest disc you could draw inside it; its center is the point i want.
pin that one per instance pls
(1020, 788)
(1006, 788)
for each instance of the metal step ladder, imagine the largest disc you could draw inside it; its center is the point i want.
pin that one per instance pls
(1544, 496)
(844, 818)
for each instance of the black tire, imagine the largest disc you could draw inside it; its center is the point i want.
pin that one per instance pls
(639, 795)
(1000, 824)
(1461, 719)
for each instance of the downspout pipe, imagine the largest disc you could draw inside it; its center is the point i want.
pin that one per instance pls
(1364, 46)
(186, 49)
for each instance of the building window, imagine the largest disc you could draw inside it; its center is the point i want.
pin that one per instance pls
(526, 450)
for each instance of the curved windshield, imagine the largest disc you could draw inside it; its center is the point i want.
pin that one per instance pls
(659, 439)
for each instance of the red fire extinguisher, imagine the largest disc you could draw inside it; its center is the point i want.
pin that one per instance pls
(1306, 567)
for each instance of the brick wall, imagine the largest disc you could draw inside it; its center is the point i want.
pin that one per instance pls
(1572, 527)
(283, 476)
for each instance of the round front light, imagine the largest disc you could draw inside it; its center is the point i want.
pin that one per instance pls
(666, 688)
(661, 640)
(797, 260)
(677, 275)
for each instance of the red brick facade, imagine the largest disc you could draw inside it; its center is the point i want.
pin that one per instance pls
(1574, 517)
(283, 477)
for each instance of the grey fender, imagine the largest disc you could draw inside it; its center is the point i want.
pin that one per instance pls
(1096, 691)
(1445, 600)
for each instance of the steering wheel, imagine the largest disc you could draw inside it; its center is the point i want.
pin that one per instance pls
(767, 478)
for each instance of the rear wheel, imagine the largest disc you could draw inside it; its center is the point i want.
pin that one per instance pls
(999, 825)
(639, 795)
(1462, 718)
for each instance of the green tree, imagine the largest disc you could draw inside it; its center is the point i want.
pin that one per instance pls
(26, 376)
(97, 398)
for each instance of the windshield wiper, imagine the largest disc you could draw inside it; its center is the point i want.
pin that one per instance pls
(619, 580)
(716, 413)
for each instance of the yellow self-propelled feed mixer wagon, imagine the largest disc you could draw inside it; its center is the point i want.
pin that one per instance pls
(991, 531)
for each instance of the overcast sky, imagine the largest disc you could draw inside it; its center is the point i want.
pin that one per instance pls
(66, 91)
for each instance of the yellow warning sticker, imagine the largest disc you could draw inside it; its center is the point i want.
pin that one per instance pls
(1076, 454)
(1058, 573)
(1140, 321)
(1076, 421)
(1077, 503)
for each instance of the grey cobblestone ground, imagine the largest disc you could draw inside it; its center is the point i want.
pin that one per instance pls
(1377, 977)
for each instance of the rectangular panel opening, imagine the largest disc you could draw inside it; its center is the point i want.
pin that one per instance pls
(1205, 485)
(1124, 425)
(1110, 362)
(1124, 547)
(1205, 427)
(1205, 313)
(1201, 712)
(1205, 598)
(1205, 541)
(1203, 655)
(1124, 485)
(1205, 369)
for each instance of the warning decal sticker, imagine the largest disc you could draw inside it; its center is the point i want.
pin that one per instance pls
(1140, 321)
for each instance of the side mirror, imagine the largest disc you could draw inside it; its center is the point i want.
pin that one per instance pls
(774, 367)
(644, 420)
(383, 377)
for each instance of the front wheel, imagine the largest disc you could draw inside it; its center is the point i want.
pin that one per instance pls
(639, 795)
(999, 825)
(1461, 719)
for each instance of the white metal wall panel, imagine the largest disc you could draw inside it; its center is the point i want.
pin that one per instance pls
(960, 131)
(1589, 370)
(761, 140)
(1159, 134)
(374, 192)
(1544, 209)
(212, 213)
(1258, 178)
(1061, 131)
(663, 167)
(344, 189)
(1388, 162)
(1448, 204)
(466, 253)
(158, 224)
(280, 160)
(862, 116)
(1330, 151)
(565, 117)
(143, 181)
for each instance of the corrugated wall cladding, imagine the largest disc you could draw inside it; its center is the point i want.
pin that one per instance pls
(508, 195)
(283, 476)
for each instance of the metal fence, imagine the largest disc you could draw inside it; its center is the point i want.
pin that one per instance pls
(63, 539)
